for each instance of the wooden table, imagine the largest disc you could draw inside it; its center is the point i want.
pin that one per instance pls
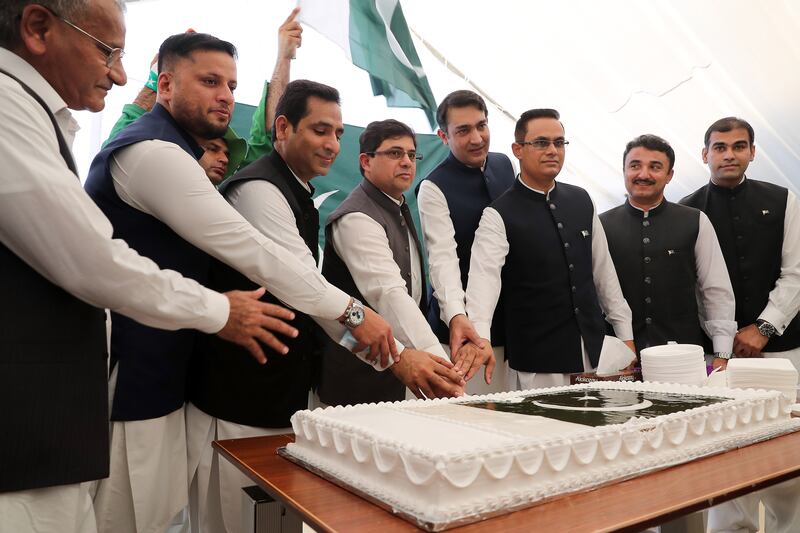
(628, 505)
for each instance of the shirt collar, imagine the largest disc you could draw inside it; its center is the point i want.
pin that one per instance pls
(652, 211)
(545, 193)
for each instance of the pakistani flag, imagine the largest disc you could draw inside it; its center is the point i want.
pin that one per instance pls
(375, 36)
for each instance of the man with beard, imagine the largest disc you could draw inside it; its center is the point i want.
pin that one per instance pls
(667, 258)
(159, 200)
(224, 155)
(543, 248)
(759, 231)
(451, 200)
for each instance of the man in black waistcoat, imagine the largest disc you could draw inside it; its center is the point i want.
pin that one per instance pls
(667, 258)
(231, 395)
(372, 250)
(759, 231)
(451, 200)
(59, 266)
(541, 246)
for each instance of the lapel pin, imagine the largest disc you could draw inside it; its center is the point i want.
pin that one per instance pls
(765, 212)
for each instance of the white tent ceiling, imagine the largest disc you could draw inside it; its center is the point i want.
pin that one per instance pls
(614, 69)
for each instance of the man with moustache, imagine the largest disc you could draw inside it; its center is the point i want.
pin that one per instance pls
(59, 266)
(372, 250)
(232, 397)
(543, 248)
(758, 228)
(667, 258)
(450, 200)
(149, 184)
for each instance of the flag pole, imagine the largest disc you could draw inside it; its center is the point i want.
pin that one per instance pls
(452, 68)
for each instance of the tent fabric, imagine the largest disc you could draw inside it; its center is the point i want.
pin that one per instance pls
(614, 69)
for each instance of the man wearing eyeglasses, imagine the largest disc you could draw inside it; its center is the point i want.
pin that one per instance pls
(372, 250)
(59, 266)
(668, 258)
(451, 200)
(543, 248)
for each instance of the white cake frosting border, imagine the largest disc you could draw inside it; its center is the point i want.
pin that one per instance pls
(728, 422)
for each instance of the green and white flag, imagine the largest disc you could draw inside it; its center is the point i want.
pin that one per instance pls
(375, 36)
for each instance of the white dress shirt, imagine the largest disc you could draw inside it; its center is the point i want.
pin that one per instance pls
(717, 305)
(362, 244)
(489, 251)
(784, 298)
(49, 222)
(266, 208)
(160, 179)
(440, 242)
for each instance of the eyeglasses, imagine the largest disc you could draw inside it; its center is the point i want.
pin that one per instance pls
(112, 54)
(398, 154)
(542, 144)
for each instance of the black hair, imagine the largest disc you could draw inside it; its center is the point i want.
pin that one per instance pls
(651, 142)
(182, 45)
(377, 132)
(522, 124)
(727, 124)
(293, 103)
(461, 98)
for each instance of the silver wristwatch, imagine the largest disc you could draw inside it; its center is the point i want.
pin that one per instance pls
(354, 314)
(765, 328)
(723, 355)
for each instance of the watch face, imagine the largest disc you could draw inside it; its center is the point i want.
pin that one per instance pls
(356, 315)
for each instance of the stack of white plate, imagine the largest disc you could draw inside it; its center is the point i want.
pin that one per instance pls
(756, 373)
(674, 363)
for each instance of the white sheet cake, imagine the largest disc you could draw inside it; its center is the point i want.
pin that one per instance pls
(442, 463)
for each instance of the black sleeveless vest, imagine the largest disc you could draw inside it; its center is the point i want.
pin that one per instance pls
(550, 297)
(345, 379)
(748, 220)
(225, 381)
(153, 363)
(655, 263)
(53, 374)
(468, 191)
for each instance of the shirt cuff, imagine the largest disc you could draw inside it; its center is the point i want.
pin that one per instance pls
(377, 366)
(722, 343)
(436, 349)
(483, 329)
(623, 331)
(333, 305)
(772, 315)
(219, 307)
(452, 309)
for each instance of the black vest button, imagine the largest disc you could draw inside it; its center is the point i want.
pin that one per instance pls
(552, 207)
(566, 245)
(736, 217)
(560, 225)
(574, 288)
(577, 310)
(571, 267)
(647, 279)
(646, 240)
(648, 300)
(646, 223)
(741, 258)
(648, 320)
(647, 259)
